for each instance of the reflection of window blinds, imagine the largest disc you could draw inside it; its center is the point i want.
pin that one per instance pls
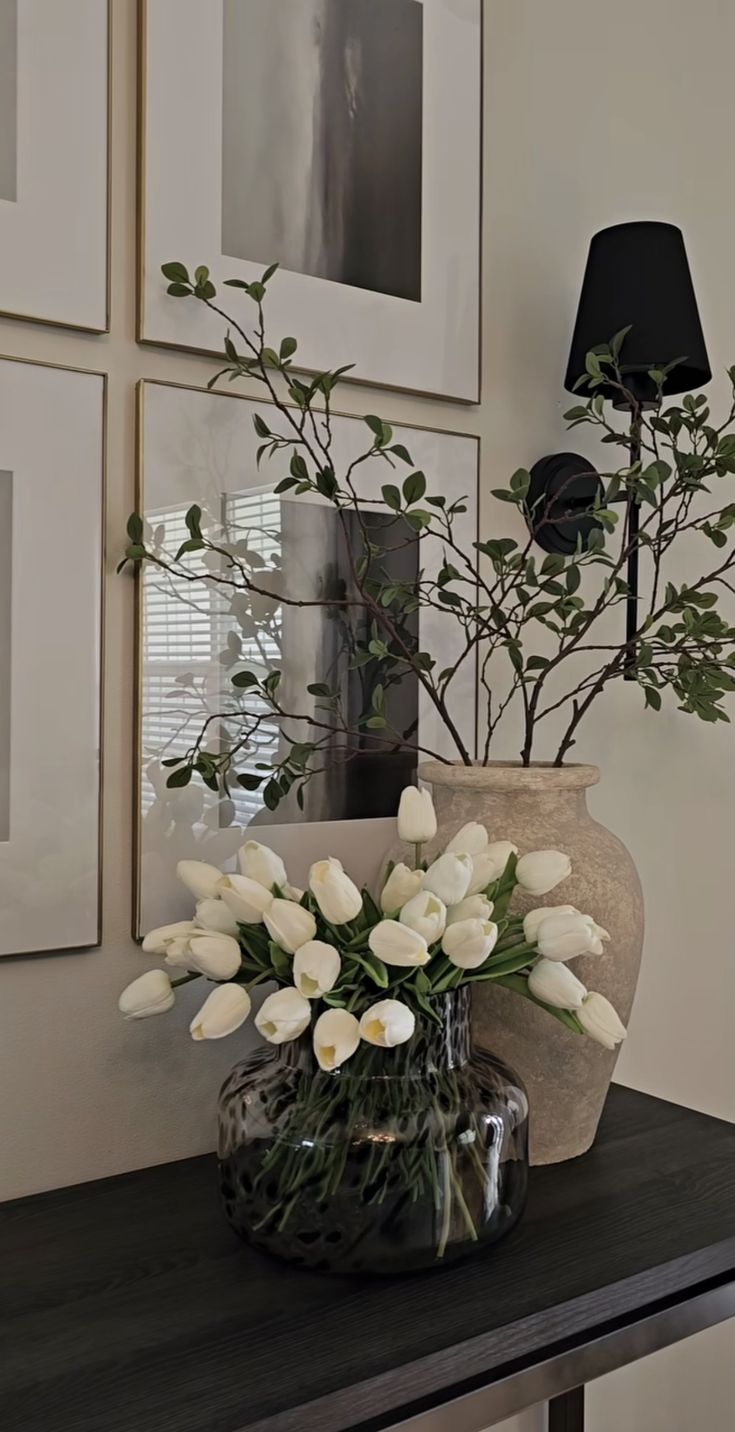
(255, 519)
(186, 627)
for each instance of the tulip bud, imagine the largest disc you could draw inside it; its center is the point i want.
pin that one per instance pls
(336, 1037)
(535, 918)
(216, 916)
(246, 898)
(150, 994)
(289, 925)
(216, 956)
(600, 1021)
(222, 1013)
(488, 865)
(473, 907)
(157, 941)
(449, 877)
(416, 816)
(199, 877)
(556, 985)
(283, 1016)
(261, 864)
(564, 937)
(469, 943)
(388, 1023)
(395, 944)
(292, 892)
(470, 840)
(400, 887)
(336, 895)
(426, 914)
(542, 870)
(316, 968)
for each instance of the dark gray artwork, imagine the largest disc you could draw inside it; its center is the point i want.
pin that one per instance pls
(6, 587)
(322, 139)
(9, 100)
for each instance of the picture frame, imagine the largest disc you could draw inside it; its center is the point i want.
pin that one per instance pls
(55, 98)
(378, 242)
(53, 432)
(198, 446)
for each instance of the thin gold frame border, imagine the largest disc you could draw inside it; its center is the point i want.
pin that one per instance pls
(140, 391)
(67, 325)
(104, 457)
(141, 224)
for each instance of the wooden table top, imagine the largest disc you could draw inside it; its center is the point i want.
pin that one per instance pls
(127, 1305)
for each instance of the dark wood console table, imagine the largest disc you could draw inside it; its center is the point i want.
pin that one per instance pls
(127, 1305)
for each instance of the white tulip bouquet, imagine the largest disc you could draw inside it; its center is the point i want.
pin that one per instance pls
(368, 1104)
(356, 969)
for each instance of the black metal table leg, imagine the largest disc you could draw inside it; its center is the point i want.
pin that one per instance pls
(566, 1413)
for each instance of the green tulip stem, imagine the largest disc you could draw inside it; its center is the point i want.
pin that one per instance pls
(417, 849)
(185, 979)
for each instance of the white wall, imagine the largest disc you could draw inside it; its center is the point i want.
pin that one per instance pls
(595, 113)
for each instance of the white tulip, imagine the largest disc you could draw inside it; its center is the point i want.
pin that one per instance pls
(542, 870)
(216, 956)
(316, 968)
(395, 944)
(289, 925)
(449, 877)
(260, 863)
(292, 892)
(215, 915)
(150, 994)
(336, 1037)
(488, 865)
(470, 840)
(222, 1013)
(473, 907)
(283, 1016)
(600, 1021)
(336, 895)
(247, 899)
(388, 1023)
(416, 816)
(426, 914)
(564, 937)
(469, 943)
(400, 887)
(535, 918)
(158, 941)
(556, 985)
(199, 877)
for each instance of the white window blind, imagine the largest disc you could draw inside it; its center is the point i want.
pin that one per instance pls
(186, 630)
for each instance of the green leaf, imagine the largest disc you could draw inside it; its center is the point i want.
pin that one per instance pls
(248, 782)
(391, 497)
(177, 273)
(194, 519)
(243, 680)
(281, 962)
(653, 698)
(288, 348)
(179, 778)
(201, 274)
(398, 450)
(261, 426)
(414, 487)
(177, 290)
(135, 527)
(268, 275)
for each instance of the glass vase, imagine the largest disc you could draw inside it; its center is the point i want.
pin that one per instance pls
(404, 1159)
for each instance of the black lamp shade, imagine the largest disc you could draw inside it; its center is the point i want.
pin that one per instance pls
(638, 274)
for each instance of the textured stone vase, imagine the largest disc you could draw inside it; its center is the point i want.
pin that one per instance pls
(543, 807)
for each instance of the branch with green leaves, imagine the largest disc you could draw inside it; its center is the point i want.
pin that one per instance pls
(525, 622)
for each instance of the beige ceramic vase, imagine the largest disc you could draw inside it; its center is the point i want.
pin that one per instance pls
(539, 808)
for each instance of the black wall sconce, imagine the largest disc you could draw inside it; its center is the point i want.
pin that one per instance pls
(637, 276)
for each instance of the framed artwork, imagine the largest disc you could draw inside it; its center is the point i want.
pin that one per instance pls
(324, 135)
(54, 169)
(52, 446)
(197, 446)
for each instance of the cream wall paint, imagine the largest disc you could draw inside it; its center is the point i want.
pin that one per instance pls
(594, 114)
